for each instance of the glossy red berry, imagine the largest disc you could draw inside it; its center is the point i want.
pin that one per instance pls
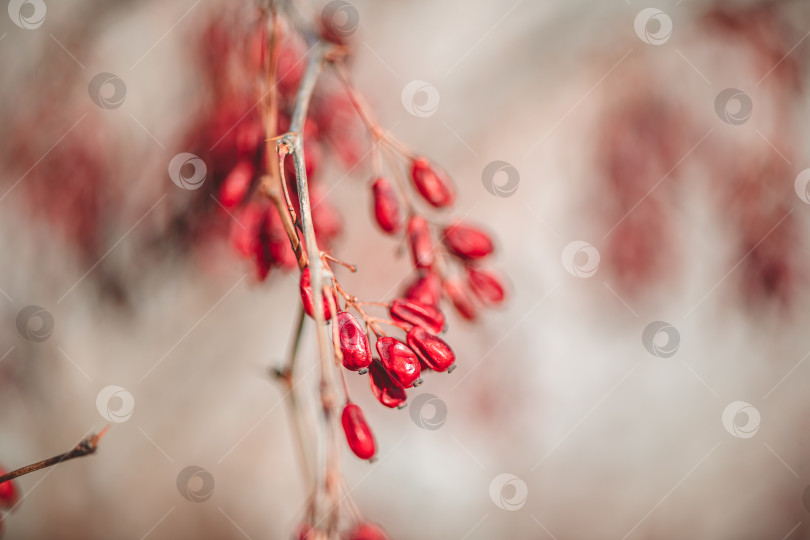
(430, 349)
(432, 183)
(384, 389)
(427, 289)
(386, 206)
(236, 184)
(460, 298)
(307, 297)
(358, 434)
(399, 361)
(420, 242)
(368, 531)
(467, 242)
(417, 314)
(486, 285)
(353, 343)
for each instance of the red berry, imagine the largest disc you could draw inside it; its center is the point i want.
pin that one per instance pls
(417, 314)
(326, 219)
(486, 285)
(353, 343)
(460, 298)
(245, 228)
(419, 240)
(399, 361)
(368, 531)
(430, 349)
(386, 206)
(289, 68)
(467, 242)
(308, 298)
(358, 434)
(304, 532)
(432, 183)
(9, 495)
(249, 139)
(236, 185)
(384, 389)
(427, 289)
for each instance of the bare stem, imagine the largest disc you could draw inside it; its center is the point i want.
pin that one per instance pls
(294, 140)
(87, 446)
(287, 376)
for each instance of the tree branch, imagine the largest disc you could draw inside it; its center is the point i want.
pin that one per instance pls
(87, 446)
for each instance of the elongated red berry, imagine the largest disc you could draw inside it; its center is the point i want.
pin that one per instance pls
(399, 361)
(486, 285)
(307, 297)
(386, 206)
(460, 298)
(246, 227)
(236, 184)
(417, 314)
(383, 388)
(427, 289)
(432, 183)
(353, 343)
(467, 242)
(358, 434)
(430, 349)
(9, 494)
(420, 243)
(368, 531)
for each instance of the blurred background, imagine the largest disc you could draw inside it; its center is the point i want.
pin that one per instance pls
(643, 165)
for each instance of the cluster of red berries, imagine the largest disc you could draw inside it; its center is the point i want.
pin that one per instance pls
(399, 363)
(9, 496)
(447, 258)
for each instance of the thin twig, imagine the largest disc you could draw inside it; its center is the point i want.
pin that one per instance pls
(293, 139)
(87, 446)
(287, 377)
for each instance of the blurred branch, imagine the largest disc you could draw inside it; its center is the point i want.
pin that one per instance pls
(87, 446)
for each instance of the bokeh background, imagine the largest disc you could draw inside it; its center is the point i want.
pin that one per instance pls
(647, 378)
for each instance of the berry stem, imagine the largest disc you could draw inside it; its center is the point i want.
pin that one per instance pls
(272, 185)
(376, 130)
(302, 428)
(293, 139)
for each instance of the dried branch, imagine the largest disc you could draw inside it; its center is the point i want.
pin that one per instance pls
(87, 446)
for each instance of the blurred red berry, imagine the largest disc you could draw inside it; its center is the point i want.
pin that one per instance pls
(368, 531)
(420, 243)
(427, 289)
(467, 242)
(384, 389)
(399, 361)
(326, 219)
(236, 185)
(246, 226)
(486, 285)
(460, 298)
(386, 206)
(417, 314)
(9, 494)
(358, 434)
(430, 349)
(308, 298)
(353, 343)
(432, 183)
